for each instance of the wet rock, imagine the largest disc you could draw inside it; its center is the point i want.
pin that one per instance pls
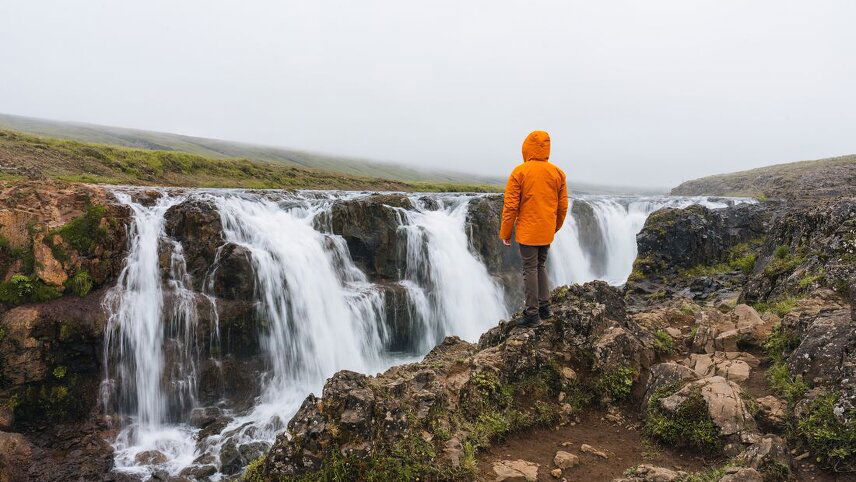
(150, 457)
(198, 472)
(515, 471)
(230, 458)
(369, 226)
(565, 460)
(252, 450)
(196, 225)
(203, 416)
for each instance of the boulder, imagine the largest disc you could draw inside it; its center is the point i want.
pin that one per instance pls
(651, 473)
(724, 400)
(565, 460)
(15, 453)
(515, 471)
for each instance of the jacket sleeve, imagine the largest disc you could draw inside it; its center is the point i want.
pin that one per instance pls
(510, 206)
(562, 211)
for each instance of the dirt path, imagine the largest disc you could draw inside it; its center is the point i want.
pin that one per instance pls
(625, 447)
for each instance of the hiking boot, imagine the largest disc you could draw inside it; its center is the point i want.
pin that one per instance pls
(530, 320)
(544, 312)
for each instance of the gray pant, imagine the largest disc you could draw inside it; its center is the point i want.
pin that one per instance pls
(535, 283)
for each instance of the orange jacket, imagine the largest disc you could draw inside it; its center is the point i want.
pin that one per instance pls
(536, 195)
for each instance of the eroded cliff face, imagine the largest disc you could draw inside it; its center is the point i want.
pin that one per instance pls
(61, 246)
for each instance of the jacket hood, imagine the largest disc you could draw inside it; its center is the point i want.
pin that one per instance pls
(536, 147)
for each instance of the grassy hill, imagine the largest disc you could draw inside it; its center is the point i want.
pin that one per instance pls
(214, 148)
(25, 156)
(796, 181)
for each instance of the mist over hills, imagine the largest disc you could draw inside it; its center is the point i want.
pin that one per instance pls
(217, 148)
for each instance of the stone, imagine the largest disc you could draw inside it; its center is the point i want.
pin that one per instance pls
(651, 473)
(150, 457)
(588, 449)
(15, 453)
(565, 460)
(568, 373)
(743, 474)
(48, 269)
(557, 473)
(772, 413)
(515, 471)
(674, 332)
(724, 400)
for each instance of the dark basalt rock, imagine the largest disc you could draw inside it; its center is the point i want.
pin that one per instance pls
(366, 419)
(370, 228)
(807, 248)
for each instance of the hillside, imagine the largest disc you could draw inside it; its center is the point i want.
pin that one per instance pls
(797, 181)
(24, 156)
(215, 148)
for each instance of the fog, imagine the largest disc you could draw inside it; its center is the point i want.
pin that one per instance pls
(645, 93)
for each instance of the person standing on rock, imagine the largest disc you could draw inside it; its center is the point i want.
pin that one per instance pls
(535, 205)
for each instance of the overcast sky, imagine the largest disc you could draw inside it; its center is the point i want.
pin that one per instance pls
(633, 92)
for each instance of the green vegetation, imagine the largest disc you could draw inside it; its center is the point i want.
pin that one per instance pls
(831, 438)
(84, 232)
(780, 307)
(663, 342)
(26, 289)
(778, 345)
(784, 261)
(59, 372)
(80, 284)
(810, 279)
(253, 472)
(741, 257)
(616, 383)
(109, 164)
(689, 426)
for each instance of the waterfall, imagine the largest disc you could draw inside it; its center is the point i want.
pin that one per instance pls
(451, 290)
(135, 340)
(317, 312)
(618, 220)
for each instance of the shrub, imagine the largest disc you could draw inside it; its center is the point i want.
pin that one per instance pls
(689, 426)
(616, 384)
(83, 232)
(25, 289)
(832, 441)
(80, 284)
(780, 307)
(663, 342)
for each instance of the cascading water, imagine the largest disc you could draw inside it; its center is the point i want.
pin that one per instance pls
(451, 291)
(617, 222)
(317, 311)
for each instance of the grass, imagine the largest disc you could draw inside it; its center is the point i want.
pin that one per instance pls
(779, 344)
(663, 342)
(780, 306)
(75, 161)
(26, 289)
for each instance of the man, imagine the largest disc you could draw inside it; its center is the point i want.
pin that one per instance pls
(536, 200)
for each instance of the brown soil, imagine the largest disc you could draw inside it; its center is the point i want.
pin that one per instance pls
(626, 448)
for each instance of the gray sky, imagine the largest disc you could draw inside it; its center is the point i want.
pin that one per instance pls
(633, 92)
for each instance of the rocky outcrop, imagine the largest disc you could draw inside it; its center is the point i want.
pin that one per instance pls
(417, 419)
(370, 228)
(806, 249)
(803, 182)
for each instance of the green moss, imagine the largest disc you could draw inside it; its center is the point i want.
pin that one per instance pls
(616, 383)
(80, 284)
(781, 252)
(784, 261)
(712, 474)
(689, 426)
(781, 381)
(832, 441)
(25, 289)
(780, 342)
(55, 401)
(663, 342)
(254, 471)
(704, 270)
(84, 232)
(59, 372)
(743, 263)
